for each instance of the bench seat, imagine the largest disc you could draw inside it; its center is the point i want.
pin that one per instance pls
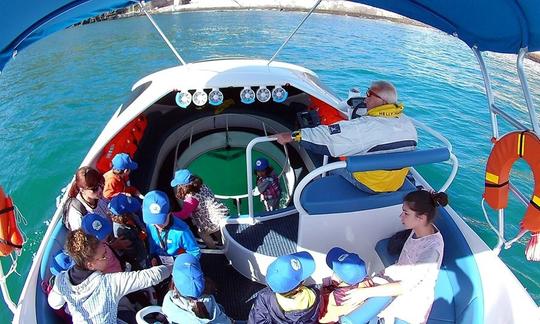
(334, 194)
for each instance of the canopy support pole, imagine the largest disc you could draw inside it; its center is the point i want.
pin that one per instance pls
(489, 92)
(526, 90)
(294, 32)
(161, 34)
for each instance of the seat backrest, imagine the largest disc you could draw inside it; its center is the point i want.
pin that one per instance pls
(396, 160)
(459, 283)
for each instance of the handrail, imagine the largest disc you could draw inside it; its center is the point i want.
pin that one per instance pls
(453, 157)
(434, 133)
(205, 119)
(310, 176)
(511, 120)
(249, 172)
(342, 164)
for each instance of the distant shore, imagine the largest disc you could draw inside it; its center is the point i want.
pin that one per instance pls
(336, 7)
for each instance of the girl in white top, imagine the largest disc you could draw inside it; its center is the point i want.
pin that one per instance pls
(85, 196)
(412, 279)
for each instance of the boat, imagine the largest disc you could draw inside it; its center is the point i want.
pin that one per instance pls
(222, 105)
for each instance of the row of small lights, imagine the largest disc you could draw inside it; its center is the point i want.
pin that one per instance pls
(215, 97)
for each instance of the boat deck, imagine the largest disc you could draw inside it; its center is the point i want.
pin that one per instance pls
(272, 238)
(234, 292)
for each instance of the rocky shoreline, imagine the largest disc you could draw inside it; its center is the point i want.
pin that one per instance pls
(336, 7)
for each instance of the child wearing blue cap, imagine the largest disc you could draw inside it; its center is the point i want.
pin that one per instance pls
(187, 301)
(287, 299)
(100, 227)
(199, 201)
(117, 179)
(349, 273)
(268, 185)
(127, 224)
(168, 236)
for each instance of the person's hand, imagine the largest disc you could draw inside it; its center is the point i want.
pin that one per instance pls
(283, 138)
(355, 297)
(154, 262)
(121, 243)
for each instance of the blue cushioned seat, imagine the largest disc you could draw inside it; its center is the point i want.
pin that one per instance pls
(333, 194)
(458, 291)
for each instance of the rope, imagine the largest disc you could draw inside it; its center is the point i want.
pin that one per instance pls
(489, 222)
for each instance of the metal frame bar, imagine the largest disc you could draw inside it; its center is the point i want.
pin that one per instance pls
(526, 90)
(249, 172)
(489, 92)
(494, 110)
(511, 120)
(294, 32)
(161, 34)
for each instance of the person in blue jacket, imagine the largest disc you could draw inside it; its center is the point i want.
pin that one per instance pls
(168, 236)
(188, 301)
(287, 299)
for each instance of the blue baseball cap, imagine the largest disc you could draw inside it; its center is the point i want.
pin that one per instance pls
(61, 262)
(288, 271)
(122, 204)
(155, 207)
(122, 161)
(181, 177)
(348, 266)
(261, 164)
(188, 276)
(96, 225)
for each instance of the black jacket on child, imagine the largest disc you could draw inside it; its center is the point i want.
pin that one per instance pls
(266, 310)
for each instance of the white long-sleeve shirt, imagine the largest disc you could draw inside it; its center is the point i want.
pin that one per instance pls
(417, 270)
(95, 300)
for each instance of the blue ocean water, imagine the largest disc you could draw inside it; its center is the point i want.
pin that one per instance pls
(57, 95)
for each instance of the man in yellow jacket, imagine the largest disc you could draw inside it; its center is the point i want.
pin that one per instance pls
(383, 128)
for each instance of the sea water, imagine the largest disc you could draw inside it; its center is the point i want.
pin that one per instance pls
(57, 95)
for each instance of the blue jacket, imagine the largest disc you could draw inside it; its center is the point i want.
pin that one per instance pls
(177, 310)
(266, 310)
(173, 238)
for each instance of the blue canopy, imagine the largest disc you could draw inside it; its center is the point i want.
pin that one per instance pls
(23, 22)
(502, 26)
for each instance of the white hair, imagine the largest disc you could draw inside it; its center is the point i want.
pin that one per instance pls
(386, 91)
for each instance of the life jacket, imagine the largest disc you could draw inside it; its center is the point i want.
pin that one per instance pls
(72, 201)
(126, 141)
(11, 238)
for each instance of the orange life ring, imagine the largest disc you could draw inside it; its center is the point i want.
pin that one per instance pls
(10, 235)
(508, 149)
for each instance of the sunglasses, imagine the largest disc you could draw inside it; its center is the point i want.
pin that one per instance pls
(370, 93)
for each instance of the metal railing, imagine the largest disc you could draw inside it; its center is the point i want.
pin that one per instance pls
(496, 111)
(320, 171)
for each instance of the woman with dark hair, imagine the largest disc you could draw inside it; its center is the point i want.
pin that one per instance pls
(412, 279)
(91, 295)
(85, 196)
